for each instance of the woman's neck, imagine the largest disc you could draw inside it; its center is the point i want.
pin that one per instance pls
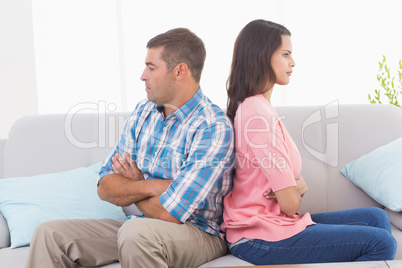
(268, 94)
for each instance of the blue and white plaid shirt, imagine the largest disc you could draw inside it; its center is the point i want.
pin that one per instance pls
(193, 146)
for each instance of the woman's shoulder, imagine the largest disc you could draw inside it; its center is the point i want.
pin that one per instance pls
(255, 105)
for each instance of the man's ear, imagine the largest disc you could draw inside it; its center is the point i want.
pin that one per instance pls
(181, 71)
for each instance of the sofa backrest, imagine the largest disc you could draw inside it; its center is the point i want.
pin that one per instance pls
(52, 143)
(2, 145)
(43, 144)
(327, 137)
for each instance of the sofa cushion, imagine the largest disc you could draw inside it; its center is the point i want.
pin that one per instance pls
(378, 173)
(27, 201)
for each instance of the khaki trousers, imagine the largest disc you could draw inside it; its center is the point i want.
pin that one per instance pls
(141, 242)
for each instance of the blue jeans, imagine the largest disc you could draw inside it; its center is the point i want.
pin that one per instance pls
(362, 234)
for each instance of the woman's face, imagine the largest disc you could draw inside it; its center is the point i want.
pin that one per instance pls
(282, 61)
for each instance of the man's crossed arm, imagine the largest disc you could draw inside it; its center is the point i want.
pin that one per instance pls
(127, 186)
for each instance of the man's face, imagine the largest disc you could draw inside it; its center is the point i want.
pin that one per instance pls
(159, 83)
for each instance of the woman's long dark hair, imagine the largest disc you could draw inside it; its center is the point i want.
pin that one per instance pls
(251, 72)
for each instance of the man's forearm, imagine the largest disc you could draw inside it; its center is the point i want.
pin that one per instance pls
(152, 208)
(121, 191)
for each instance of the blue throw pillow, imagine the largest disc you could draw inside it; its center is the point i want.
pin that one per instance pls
(27, 201)
(379, 174)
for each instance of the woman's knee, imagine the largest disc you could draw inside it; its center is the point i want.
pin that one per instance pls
(388, 247)
(385, 244)
(379, 218)
(391, 244)
(375, 211)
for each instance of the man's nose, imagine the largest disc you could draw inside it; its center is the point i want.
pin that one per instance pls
(143, 76)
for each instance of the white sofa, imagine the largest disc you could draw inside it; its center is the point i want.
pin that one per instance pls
(327, 136)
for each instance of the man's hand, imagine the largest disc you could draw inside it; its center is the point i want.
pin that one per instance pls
(127, 184)
(126, 167)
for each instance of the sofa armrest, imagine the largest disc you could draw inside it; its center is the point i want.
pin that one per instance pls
(4, 233)
(2, 145)
(395, 218)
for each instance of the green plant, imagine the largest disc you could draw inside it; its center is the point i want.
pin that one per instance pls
(389, 87)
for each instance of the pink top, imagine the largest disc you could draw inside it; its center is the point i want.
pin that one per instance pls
(266, 159)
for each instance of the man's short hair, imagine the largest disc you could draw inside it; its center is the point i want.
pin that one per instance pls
(181, 46)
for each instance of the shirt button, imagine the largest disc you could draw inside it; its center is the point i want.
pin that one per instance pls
(164, 128)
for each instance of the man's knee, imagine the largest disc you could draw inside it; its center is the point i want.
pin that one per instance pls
(47, 229)
(135, 231)
(139, 246)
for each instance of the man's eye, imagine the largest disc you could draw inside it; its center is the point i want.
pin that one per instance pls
(151, 69)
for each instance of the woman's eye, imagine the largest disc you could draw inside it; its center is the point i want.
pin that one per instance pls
(286, 55)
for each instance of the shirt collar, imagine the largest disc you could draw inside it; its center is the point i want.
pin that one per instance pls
(184, 111)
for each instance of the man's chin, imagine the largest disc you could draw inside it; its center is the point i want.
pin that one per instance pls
(150, 98)
(154, 100)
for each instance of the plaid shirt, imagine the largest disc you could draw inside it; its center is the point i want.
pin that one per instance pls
(193, 146)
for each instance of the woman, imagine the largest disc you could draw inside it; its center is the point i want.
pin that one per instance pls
(260, 218)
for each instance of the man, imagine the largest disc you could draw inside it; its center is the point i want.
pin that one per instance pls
(174, 161)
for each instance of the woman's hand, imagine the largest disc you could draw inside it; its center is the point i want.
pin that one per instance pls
(270, 195)
(301, 188)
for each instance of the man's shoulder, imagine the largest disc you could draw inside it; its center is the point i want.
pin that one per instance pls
(144, 106)
(209, 114)
(210, 111)
(140, 112)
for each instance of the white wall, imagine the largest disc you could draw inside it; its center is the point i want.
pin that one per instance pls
(91, 53)
(18, 94)
(77, 54)
(337, 44)
(217, 23)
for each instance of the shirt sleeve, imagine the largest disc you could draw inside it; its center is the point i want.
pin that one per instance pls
(269, 152)
(211, 154)
(126, 143)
